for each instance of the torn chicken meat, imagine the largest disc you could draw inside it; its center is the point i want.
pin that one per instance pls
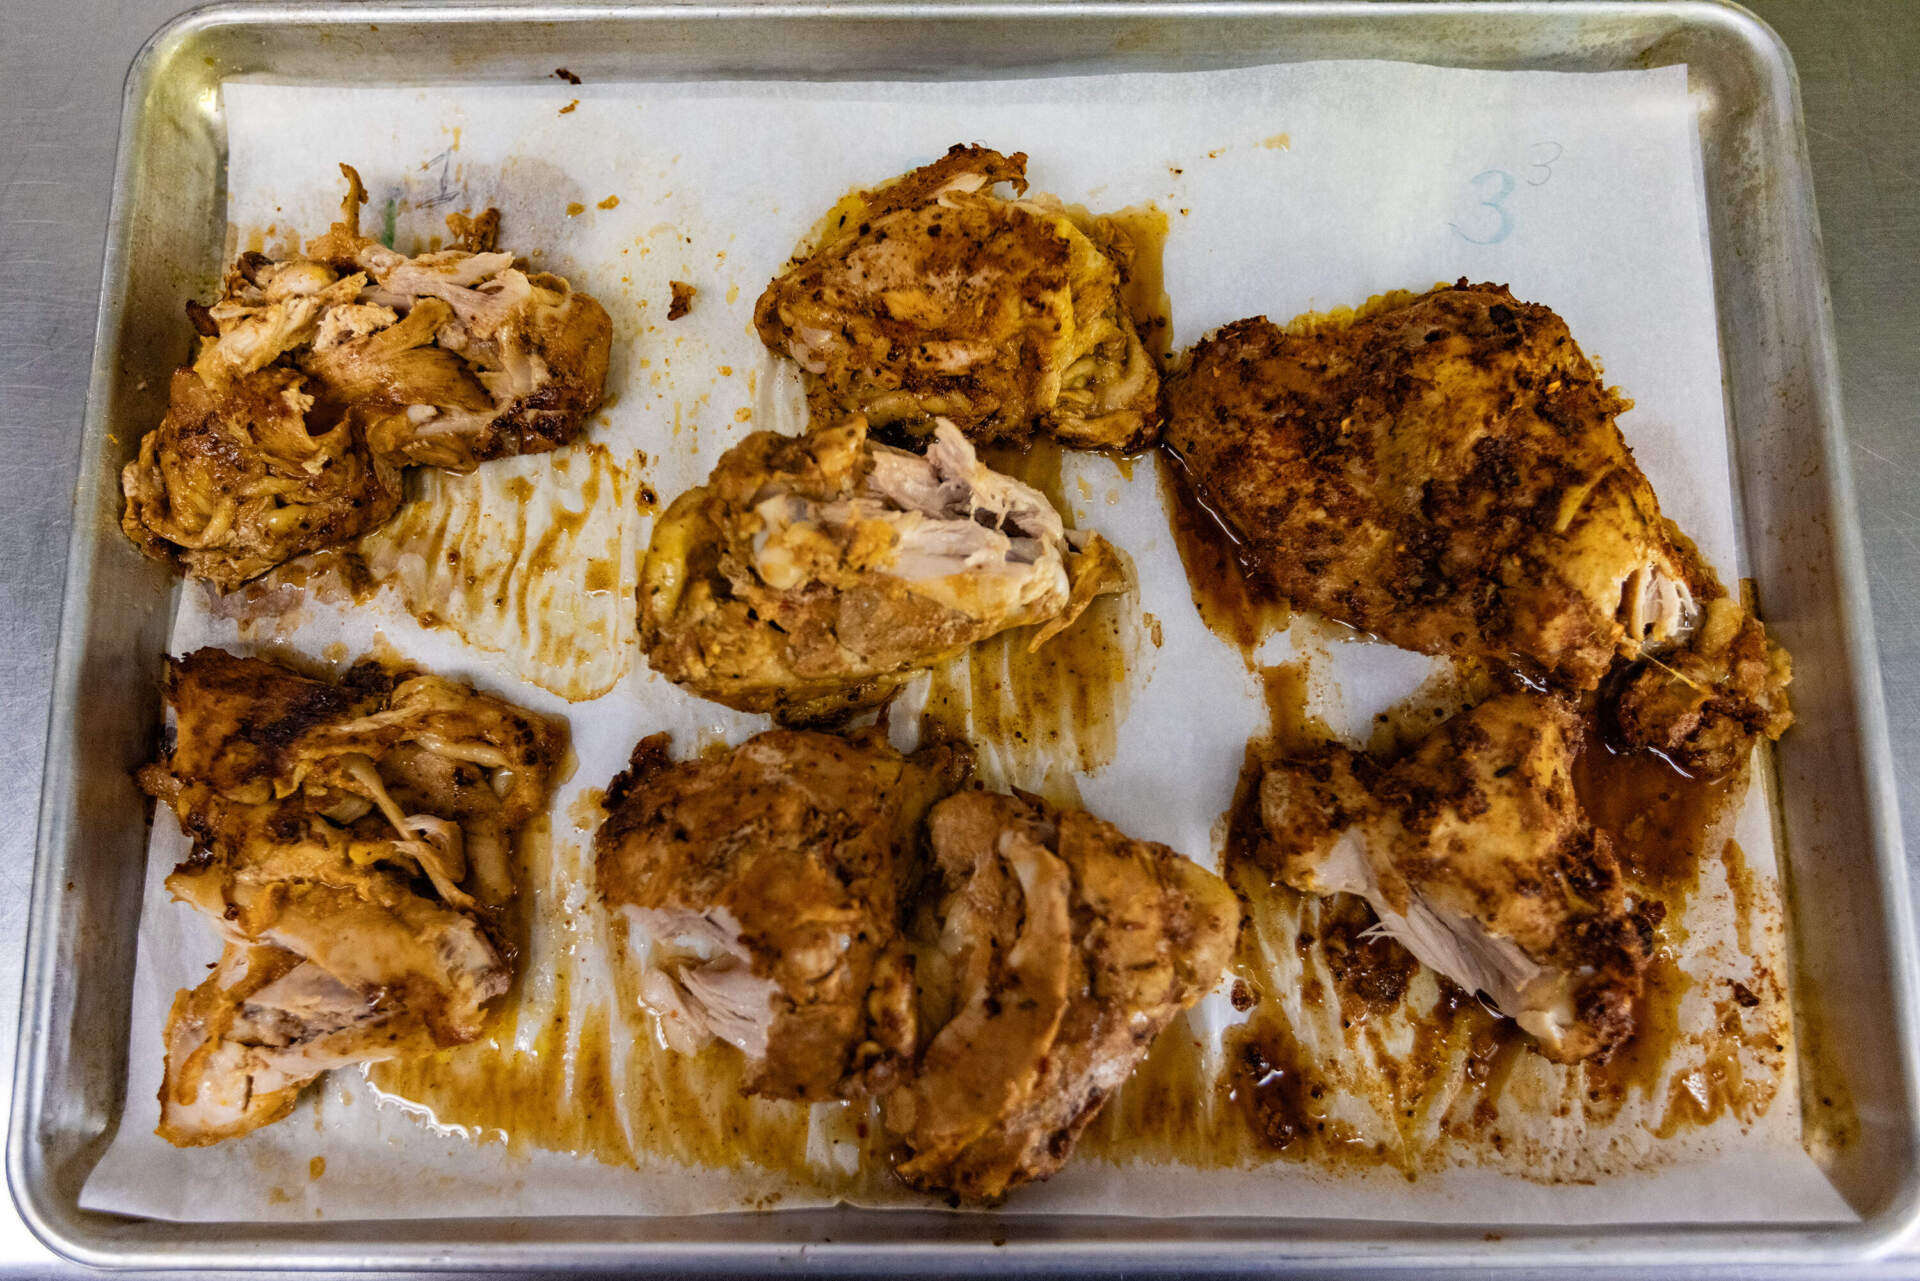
(351, 842)
(320, 376)
(933, 298)
(814, 574)
(1475, 854)
(260, 1028)
(1448, 474)
(1064, 949)
(763, 887)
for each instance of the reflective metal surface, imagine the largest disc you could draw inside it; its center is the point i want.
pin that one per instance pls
(60, 80)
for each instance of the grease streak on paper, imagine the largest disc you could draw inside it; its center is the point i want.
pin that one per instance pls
(529, 557)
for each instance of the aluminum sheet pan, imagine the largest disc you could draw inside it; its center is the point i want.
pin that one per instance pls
(1853, 974)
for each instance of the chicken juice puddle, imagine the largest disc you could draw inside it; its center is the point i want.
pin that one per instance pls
(1226, 589)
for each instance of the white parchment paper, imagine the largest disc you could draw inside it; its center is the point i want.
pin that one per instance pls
(1288, 189)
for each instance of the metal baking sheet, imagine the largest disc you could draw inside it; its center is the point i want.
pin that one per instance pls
(1852, 977)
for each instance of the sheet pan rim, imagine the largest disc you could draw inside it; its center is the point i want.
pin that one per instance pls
(104, 1240)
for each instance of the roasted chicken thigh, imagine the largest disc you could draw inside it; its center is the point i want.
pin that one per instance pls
(351, 843)
(1475, 853)
(1064, 949)
(812, 574)
(933, 298)
(767, 884)
(321, 375)
(1448, 475)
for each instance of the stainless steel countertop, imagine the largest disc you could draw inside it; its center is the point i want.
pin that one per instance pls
(61, 67)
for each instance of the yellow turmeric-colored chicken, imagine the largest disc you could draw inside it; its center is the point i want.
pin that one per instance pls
(814, 574)
(1447, 474)
(352, 844)
(931, 297)
(320, 376)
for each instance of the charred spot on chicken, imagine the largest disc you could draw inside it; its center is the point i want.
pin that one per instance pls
(320, 376)
(933, 298)
(352, 845)
(1447, 473)
(1475, 854)
(1063, 949)
(764, 889)
(814, 574)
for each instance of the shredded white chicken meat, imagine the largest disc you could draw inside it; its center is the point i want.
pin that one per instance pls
(815, 574)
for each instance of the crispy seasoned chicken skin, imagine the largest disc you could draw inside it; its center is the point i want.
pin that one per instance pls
(238, 478)
(1448, 475)
(1065, 948)
(320, 376)
(931, 297)
(1703, 705)
(351, 843)
(767, 882)
(1475, 854)
(813, 574)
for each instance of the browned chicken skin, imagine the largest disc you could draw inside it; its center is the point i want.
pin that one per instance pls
(814, 574)
(352, 844)
(234, 480)
(1703, 705)
(1065, 949)
(931, 297)
(1476, 855)
(320, 376)
(769, 881)
(1448, 475)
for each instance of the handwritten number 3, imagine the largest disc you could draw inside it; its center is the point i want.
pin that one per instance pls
(1545, 166)
(1500, 184)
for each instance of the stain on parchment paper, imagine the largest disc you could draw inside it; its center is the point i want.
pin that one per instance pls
(529, 557)
(1038, 716)
(1227, 592)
